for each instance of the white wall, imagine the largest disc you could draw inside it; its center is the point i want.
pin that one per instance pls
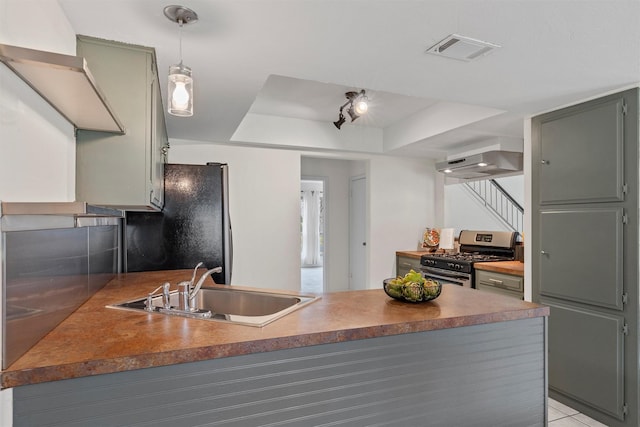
(401, 204)
(514, 185)
(37, 145)
(336, 174)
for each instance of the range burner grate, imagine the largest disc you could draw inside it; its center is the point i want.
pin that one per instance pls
(471, 257)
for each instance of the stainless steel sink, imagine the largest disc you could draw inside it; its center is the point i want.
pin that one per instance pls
(246, 307)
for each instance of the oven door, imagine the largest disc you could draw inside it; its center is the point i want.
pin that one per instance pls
(447, 276)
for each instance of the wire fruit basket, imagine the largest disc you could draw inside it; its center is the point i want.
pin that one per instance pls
(412, 291)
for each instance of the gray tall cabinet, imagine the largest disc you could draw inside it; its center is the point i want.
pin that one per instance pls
(124, 170)
(585, 253)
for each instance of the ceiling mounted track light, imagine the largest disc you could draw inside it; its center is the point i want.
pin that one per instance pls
(358, 104)
(180, 90)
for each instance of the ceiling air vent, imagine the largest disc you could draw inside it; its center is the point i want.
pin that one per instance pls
(462, 48)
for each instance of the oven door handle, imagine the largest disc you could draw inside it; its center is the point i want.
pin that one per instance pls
(441, 274)
(452, 276)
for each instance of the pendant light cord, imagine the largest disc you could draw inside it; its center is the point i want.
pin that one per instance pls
(180, 23)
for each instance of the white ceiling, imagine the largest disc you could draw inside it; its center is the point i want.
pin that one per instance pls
(296, 59)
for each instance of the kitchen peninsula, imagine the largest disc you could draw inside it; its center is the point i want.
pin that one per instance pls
(354, 357)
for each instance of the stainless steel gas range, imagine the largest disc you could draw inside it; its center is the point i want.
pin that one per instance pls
(475, 246)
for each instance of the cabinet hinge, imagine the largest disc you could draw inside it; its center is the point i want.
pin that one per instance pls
(625, 218)
(625, 409)
(624, 188)
(624, 108)
(625, 298)
(625, 329)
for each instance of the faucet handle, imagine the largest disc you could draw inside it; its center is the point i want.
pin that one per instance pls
(184, 288)
(204, 276)
(195, 270)
(166, 297)
(148, 304)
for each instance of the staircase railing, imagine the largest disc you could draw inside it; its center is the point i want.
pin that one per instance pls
(499, 201)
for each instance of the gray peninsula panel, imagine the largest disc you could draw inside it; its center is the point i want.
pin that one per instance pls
(483, 375)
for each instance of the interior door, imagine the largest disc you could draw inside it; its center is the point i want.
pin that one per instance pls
(357, 233)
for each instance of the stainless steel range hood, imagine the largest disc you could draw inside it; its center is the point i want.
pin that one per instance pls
(482, 165)
(66, 83)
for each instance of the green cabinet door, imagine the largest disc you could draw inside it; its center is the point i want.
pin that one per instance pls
(580, 154)
(123, 170)
(581, 255)
(586, 356)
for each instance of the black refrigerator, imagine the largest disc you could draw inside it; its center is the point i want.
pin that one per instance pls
(192, 227)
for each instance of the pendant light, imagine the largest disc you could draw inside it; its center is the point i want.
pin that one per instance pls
(180, 89)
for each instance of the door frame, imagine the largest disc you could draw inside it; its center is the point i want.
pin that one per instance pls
(365, 221)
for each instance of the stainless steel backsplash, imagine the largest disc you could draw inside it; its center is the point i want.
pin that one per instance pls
(48, 274)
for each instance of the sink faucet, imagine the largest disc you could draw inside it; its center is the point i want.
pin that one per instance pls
(187, 292)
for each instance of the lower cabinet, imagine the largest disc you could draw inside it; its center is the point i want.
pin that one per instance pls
(586, 356)
(505, 284)
(406, 263)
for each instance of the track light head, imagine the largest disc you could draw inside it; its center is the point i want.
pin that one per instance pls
(361, 106)
(357, 106)
(352, 113)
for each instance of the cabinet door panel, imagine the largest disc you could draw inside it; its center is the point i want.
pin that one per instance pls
(586, 351)
(110, 169)
(581, 255)
(581, 154)
(123, 170)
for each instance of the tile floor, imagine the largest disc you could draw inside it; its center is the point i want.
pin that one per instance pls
(561, 415)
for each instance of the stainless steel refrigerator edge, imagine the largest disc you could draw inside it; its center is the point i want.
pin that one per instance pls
(193, 226)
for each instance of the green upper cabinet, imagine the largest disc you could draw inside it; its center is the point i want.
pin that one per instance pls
(124, 170)
(580, 153)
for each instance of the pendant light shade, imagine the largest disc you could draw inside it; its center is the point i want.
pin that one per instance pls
(180, 87)
(180, 91)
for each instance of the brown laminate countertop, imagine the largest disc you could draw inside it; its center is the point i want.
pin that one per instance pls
(412, 254)
(515, 268)
(98, 340)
